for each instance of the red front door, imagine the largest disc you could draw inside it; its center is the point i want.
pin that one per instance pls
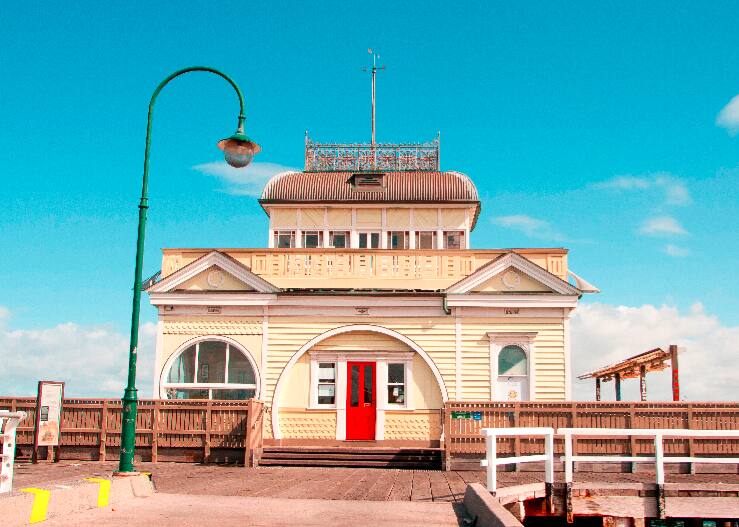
(360, 400)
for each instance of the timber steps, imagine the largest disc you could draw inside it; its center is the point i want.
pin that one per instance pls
(367, 457)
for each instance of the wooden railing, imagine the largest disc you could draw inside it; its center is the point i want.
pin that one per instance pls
(447, 266)
(463, 422)
(166, 430)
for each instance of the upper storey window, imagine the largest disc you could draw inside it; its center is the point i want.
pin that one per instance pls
(454, 240)
(338, 239)
(284, 239)
(311, 239)
(397, 240)
(426, 240)
(369, 240)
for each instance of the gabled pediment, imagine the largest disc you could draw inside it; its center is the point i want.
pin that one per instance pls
(512, 273)
(213, 272)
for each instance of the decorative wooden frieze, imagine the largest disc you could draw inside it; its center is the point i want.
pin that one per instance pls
(235, 326)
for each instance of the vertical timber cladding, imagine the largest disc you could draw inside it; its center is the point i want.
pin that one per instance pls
(549, 355)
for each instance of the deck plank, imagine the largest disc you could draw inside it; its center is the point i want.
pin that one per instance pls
(421, 490)
(440, 490)
(457, 485)
(366, 479)
(381, 489)
(402, 487)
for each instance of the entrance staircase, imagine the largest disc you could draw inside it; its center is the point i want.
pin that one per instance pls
(352, 456)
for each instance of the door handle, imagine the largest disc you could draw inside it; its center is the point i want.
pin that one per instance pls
(367, 404)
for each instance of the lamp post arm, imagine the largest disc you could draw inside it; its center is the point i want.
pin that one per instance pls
(130, 398)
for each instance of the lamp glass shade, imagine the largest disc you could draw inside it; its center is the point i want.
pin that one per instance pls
(238, 150)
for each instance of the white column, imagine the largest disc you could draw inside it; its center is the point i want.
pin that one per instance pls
(271, 239)
(458, 390)
(325, 228)
(439, 238)
(381, 387)
(532, 370)
(341, 399)
(568, 355)
(383, 230)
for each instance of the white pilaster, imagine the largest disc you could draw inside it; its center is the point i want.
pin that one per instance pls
(341, 399)
(458, 390)
(158, 362)
(264, 355)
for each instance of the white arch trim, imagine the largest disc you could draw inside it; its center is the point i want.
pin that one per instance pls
(277, 434)
(191, 342)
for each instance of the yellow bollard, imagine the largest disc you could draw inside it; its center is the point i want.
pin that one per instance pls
(103, 490)
(40, 504)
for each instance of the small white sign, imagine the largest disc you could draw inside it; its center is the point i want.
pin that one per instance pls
(49, 408)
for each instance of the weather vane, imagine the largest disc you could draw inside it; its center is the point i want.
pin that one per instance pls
(374, 70)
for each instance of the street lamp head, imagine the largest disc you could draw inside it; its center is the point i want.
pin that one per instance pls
(238, 150)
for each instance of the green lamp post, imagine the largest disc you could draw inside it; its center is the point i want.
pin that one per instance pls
(238, 151)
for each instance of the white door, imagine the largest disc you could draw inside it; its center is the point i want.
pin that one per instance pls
(513, 374)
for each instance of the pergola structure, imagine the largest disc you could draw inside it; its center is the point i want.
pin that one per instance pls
(638, 366)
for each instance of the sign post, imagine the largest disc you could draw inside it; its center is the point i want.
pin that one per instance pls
(48, 427)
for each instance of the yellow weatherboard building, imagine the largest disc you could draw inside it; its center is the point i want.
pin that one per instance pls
(368, 308)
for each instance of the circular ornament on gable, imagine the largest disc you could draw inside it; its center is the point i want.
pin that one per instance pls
(215, 278)
(511, 279)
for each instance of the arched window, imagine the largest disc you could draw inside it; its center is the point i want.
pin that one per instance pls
(210, 369)
(512, 362)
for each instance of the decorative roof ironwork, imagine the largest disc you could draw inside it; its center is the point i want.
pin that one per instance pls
(363, 157)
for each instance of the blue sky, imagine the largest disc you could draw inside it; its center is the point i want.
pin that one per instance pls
(591, 126)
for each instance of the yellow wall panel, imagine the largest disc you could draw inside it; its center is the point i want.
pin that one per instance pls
(339, 217)
(311, 217)
(369, 218)
(417, 426)
(398, 219)
(280, 218)
(425, 217)
(453, 218)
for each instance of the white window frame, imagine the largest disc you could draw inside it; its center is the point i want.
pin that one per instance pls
(369, 232)
(407, 369)
(278, 232)
(347, 234)
(314, 382)
(317, 232)
(434, 234)
(164, 384)
(525, 341)
(461, 232)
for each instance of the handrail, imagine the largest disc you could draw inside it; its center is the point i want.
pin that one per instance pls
(7, 458)
(492, 460)
(658, 459)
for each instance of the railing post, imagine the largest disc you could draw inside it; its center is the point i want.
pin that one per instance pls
(632, 439)
(659, 460)
(549, 468)
(103, 430)
(516, 439)
(691, 445)
(568, 477)
(248, 433)
(491, 454)
(155, 431)
(206, 447)
(447, 431)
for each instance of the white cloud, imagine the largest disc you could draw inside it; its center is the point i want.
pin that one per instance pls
(728, 117)
(532, 227)
(604, 334)
(662, 226)
(247, 181)
(673, 189)
(91, 359)
(676, 250)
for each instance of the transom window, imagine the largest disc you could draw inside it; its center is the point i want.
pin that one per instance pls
(284, 239)
(512, 361)
(396, 383)
(369, 240)
(210, 369)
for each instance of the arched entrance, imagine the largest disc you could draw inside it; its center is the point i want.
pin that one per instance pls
(358, 378)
